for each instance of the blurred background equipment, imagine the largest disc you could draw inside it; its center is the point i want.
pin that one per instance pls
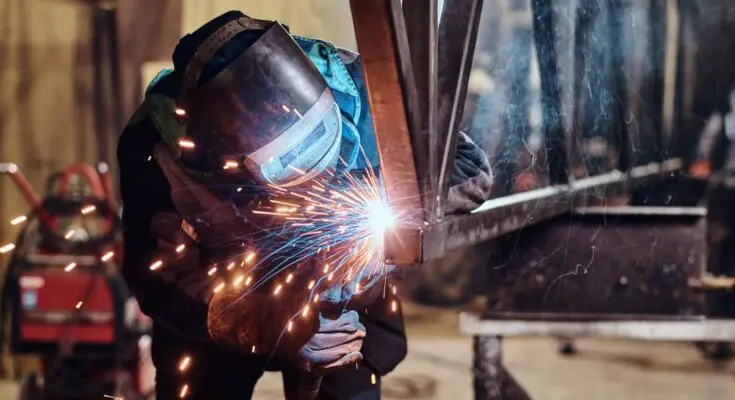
(68, 305)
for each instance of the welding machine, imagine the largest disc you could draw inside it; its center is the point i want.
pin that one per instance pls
(67, 302)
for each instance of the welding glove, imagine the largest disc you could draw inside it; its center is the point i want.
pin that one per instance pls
(336, 344)
(472, 178)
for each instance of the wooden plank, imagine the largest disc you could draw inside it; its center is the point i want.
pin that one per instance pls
(377, 44)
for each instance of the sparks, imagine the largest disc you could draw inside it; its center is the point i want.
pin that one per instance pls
(184, 391)
(230, 266)
(250, 257)
(107, 256)
(248, 280)
(219, 287)
(373, 379)
(79, 305)
(394, 306)
(18, 220)
(311, 285)
(7, 248)
(212, 271)
(289, 278)
(238, 281)
(70, 267)
(290, 326)
(184, 364)
(88, 209)
(278, 289)
(305, 312)
(156, 265)
(180, 112)
(69, 235)
(180, 248)
(186, 144)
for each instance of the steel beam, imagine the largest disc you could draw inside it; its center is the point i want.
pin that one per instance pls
(457, 36)
(376, 40)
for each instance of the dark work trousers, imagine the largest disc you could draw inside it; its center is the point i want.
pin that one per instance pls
(218, 374)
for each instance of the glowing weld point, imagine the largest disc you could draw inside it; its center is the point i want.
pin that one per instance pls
(230, 266)
(18, 220)
(184, 391)
(156, 265)
(186, 144)
(219, 287)
(184, 364)
(290, 326)
(394, 306)
(7, 248)
(88, 209)
(180, 112)
(180, 248)
(212, 271)
(69, 235)
(70, 267)
(108, 256)
(289, 278)
(79, 305)
(311, 285)
(373, 379)
(278, 289)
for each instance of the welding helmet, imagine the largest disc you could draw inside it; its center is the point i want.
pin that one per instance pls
(268, 117)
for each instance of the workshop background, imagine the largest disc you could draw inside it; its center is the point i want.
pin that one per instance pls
(69, 80)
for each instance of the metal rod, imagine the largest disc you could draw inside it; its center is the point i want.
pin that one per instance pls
(457, 38)
(544, 35)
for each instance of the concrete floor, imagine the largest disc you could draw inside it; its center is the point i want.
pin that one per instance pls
(438, 368)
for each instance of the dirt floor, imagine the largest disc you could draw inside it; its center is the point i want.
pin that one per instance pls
(438, 367)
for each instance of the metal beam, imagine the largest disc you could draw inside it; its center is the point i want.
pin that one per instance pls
(500, 216)
(544, 36)
(457, 36)
(376, 41)
(687, 331)
(420, 18)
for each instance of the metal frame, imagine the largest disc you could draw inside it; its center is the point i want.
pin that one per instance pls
(417, 77)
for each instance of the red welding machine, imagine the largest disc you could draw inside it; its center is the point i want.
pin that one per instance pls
(67, 301)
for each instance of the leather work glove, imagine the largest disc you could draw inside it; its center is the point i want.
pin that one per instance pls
(472, 177)
(336, 344)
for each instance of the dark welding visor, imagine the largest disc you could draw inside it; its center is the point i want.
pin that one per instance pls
(268, 115)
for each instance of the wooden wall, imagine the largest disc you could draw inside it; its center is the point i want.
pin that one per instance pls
(46, 84)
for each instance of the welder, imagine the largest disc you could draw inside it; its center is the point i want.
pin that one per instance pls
(248, 107)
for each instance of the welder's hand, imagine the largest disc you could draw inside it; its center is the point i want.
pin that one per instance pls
(700, 169)
(336, 344)
(469, 194)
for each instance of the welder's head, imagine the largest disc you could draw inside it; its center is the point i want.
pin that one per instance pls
(265, 116)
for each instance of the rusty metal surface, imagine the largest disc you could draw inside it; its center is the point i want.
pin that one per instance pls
(500, 216)
(602, 263)
(420, 23)
(376, 43)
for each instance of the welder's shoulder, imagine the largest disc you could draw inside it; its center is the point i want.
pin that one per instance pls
(141, 179)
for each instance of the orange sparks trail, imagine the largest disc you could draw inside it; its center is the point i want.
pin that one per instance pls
(108, 256)
(70, 267)
(156, 265)
(184, 391)
(88, 209)
(184, 364)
